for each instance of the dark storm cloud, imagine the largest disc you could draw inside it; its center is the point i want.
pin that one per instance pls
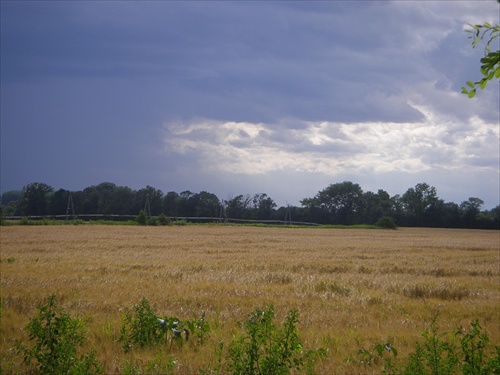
(166, 91)
(223, 60)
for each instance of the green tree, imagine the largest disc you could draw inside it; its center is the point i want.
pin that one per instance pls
(59, 202)
(238, 207)
(121, 201)
(262, 206)
(418, 203)
(493, 217)
(205, 204)
(11, 196)
(340, 203)
(185, 206)
(36, 197)
(490, 62)
(155, 197)
(170, 203)
(11, 202)
(470, 211)
(375, 206)
(107, 198)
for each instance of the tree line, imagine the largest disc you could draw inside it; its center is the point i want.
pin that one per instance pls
(342, 203)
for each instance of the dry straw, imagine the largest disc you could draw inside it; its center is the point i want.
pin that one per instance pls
(352, 288)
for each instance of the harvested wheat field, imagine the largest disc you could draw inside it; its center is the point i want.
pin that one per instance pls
(353, 288)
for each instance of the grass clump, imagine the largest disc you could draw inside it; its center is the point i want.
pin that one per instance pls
(334, 287)
(443, 292)
(156, 366)
(180, 222)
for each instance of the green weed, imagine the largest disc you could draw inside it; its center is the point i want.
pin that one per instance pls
(264, 348)
(464, 352)
(474, 357)
(55, 338)
(141, 328)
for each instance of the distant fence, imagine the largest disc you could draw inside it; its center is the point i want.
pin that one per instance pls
(190, 219)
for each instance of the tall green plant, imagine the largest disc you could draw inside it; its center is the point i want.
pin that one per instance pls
(474, 358)
(264, 348)
(141, 328)
(55, 338)
(142, 218)
(440, 354)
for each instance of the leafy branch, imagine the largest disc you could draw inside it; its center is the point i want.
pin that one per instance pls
(490, 63)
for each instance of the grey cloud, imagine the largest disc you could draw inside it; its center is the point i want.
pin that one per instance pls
(376, 72)
(251, 61)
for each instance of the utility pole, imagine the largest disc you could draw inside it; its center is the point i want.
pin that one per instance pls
(222, 212)
(288, 214)
(70, 207)
(147, 206)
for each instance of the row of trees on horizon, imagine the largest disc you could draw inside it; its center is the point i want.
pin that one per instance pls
(339, 203)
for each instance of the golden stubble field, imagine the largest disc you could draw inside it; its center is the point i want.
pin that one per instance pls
(353, 288)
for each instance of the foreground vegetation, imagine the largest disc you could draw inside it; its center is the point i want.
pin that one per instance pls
(345, 301)
(262, 347)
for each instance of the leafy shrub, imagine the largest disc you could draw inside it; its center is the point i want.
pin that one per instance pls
(468, 353)
(55, 338)
(142, 218)
(163, 220)
(141, 328)
(435, 356)
(180, 222)
(386, 222)
(367, 358)
(26, 221)
(153, 221)
(266, 349)
(3, 221)
(473, 358)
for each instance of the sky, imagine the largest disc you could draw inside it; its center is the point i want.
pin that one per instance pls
(247, 97)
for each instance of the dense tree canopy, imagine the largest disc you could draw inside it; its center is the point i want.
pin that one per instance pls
(339, 203)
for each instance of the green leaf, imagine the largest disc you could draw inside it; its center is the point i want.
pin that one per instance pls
(465, 91)
(472, 93)
(483, 84)
(497, 72)
(470, 84)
